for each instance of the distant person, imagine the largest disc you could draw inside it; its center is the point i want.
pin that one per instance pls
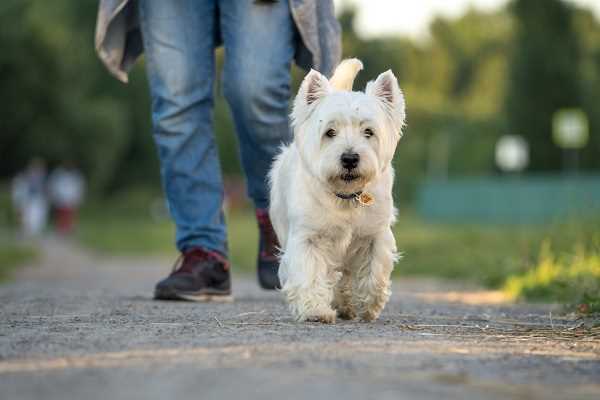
(66, 188)
(29, 198)
(179, 37)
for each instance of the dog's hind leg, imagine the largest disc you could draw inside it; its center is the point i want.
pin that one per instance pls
(309, 279)
(372, 278)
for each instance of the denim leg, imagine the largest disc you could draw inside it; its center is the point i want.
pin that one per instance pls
(260, 42)
(179, 42)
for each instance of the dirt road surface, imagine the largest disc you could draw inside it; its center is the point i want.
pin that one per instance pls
(81, 326)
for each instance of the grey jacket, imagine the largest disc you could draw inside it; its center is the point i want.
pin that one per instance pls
(119, 41)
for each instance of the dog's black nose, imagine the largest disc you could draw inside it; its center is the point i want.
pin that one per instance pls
(350, 160)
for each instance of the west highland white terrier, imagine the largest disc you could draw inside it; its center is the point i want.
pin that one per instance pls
(331, 196)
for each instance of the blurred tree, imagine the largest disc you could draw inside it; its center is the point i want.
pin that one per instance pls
(53, 104)
(453, 83)
(588, 32)
(470, 80)
(544, 75)
(60, 103)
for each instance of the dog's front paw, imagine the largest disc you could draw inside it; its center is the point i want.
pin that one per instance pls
(370, 315)
(324, 316)
(346, 313)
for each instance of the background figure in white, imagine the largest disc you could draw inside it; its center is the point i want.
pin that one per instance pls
(66, 187)
(29, 198)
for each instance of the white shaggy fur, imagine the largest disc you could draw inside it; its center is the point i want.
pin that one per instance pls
(337, 255)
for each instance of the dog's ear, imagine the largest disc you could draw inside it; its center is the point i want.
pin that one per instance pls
(385, 89)
(314, 87)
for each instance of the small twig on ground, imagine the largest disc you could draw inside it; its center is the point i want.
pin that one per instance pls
(551, 322)
(272, 323)
(218, 322)
(249, 313)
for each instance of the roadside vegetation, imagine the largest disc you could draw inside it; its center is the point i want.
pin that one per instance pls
(13, 253)
(571, 278)
(553, 262)
(556, 262)
(124, 226)
(12, 256)
(136, 223)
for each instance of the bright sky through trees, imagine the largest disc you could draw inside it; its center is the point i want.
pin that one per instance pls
(377, 17)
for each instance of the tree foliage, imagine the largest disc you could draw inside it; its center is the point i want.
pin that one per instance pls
(473, 79)
(544, 75)
(58, 103)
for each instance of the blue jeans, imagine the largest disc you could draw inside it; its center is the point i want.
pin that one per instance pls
(180, 37)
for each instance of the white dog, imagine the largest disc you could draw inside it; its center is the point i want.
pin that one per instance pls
(331, 196)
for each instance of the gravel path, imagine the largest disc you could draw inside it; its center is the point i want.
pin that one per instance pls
(84, 327)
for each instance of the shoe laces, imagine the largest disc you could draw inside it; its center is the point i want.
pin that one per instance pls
(189, 258)
(270, 243)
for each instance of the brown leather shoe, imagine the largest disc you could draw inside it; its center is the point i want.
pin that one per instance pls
(198, 275)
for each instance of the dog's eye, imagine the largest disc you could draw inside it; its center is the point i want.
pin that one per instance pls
(369, 132)
(330, 133)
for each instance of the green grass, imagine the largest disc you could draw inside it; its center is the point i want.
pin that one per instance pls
(143, 236)
(243, 239)
(569, 279)
(489, 255)
(479, 253)
(122, 236)
(483, 253)
(12, 256)
(123, 225)
(13, 253)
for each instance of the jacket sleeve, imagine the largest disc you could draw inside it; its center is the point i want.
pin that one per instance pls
(118, 39)
(320, 33)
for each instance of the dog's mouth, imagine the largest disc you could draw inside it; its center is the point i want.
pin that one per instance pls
(349, 176)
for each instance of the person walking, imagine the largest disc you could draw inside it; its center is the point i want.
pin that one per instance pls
(66, 188)
(30, 200)
(261, 38)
